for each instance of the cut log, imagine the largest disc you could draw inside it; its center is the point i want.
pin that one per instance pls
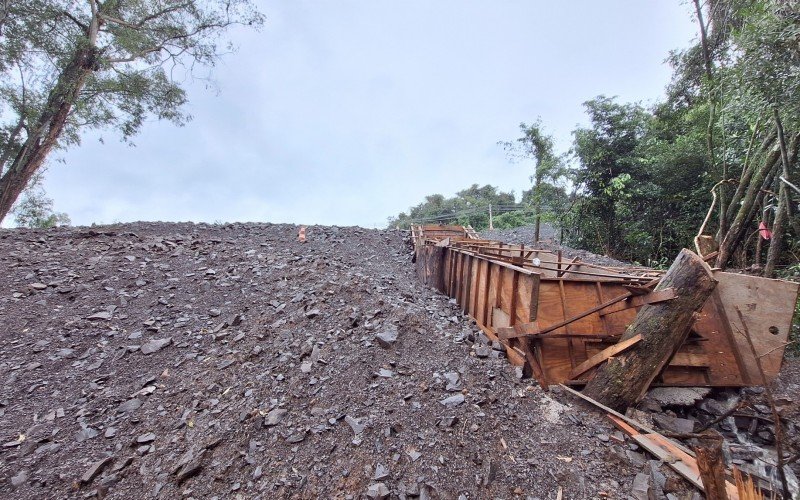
(622, 381)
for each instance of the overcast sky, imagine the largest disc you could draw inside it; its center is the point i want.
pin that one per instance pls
(348, 112)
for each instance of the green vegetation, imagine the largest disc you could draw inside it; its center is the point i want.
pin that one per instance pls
(467, 207)
(35, 209)
(637, 183)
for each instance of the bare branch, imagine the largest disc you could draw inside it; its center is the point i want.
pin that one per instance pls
(114, 20)
(75, 20)
(155, 15)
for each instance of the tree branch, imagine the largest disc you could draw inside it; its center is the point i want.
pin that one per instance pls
(77, 21)
(155, 15)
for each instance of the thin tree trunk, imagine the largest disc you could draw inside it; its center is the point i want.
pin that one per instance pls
(738, 228)
(777, 233)
(786, 161)
(747, 171)
(44, 135)
(538, 204)
(757, 256)
(712, 107)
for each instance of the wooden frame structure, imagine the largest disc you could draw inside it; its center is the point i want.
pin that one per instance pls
(561, 318)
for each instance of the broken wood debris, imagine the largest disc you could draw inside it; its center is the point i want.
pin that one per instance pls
(552, 315)
(679, 458)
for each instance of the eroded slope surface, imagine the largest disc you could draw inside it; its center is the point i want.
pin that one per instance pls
(182, 360)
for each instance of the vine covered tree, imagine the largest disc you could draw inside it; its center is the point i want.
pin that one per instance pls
(67, 66)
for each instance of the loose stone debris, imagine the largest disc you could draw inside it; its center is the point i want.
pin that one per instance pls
(193, 383)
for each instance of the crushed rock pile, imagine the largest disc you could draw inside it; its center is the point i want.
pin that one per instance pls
(548, 240)
(156, 360)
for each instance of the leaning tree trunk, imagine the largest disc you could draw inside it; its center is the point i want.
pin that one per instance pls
(739, 226)
(44, 135)
(664, 326)
(776, 241)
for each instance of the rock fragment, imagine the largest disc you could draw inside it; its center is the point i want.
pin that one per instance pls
(387, 337)
(95, 469)
(155, 345)
(19, 479)
(377, 491)
(274, 417)
(452, 401)
(130, 405)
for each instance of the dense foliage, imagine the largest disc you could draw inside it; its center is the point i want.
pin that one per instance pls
(641, 183)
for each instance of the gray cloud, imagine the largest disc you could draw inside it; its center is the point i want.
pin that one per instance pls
(349, 112)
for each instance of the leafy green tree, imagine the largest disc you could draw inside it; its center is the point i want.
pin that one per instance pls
(67, 66)
(35, 209)
(609, 173)
(548, 169)
(469, 206)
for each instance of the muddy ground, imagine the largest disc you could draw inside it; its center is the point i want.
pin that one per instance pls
(156, 360)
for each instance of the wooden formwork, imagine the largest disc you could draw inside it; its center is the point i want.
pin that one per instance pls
(561, 318)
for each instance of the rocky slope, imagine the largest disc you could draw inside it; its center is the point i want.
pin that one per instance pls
(195, 361)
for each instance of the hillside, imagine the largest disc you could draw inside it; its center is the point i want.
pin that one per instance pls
(196, 360)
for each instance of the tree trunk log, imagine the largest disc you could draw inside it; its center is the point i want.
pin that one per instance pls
(623, 380)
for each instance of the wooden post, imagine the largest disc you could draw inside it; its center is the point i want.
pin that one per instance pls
(664, 326)
(491, 224)
(711, 465)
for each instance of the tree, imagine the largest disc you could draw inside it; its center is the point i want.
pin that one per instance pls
(608, 172)
(468, 207)
(35, 209)
(69, 65)
(548, 168)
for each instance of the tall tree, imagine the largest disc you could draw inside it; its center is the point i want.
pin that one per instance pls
(609, 167)
(536, 145)
(69, 65)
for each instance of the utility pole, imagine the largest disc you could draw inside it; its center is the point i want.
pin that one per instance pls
(491, 225)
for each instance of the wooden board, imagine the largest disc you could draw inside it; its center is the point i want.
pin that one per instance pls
(604, 355)
(768, 306)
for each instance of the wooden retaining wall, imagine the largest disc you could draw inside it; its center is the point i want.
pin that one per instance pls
(503, 286)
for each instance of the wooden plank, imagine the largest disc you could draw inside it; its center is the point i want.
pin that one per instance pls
(483, 287)
(680, 462)
(687, 359)
(768, 307)
(683, 464)
(533, 298)
(513, 306)
(468, 286)
(640, 300)
(604, 355)
(515, 357)
(510, 333)
(730, 340)
(570, 346)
